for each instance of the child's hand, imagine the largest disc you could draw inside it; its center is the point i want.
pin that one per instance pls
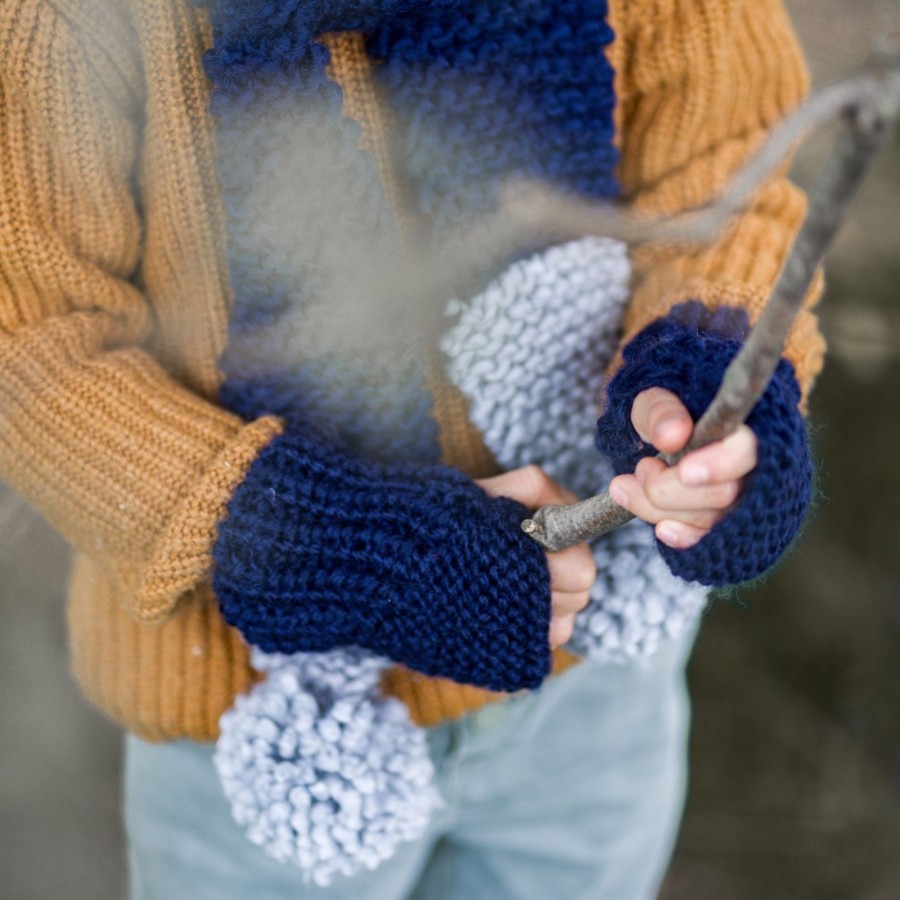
(572, 571)
(684, 501)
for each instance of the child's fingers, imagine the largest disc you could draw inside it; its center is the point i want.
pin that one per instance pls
(567, 604)
(683, 502)
(530, 485)
(572, 575)
(726, 460)
(660, 418)
(627, 491)
(678, 534)
(561, 630)
(572, 571)
(666, 491)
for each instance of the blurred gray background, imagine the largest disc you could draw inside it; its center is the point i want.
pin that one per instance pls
(796, 745)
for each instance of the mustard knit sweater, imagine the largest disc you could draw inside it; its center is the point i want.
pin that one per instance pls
(114, 301)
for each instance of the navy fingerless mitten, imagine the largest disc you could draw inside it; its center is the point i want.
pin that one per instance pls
(416, 563)
(687, 353)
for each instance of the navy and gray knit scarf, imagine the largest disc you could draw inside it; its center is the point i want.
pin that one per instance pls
(481, 91)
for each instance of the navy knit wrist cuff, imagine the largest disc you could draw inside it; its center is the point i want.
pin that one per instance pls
(687, 353)
(416, 563)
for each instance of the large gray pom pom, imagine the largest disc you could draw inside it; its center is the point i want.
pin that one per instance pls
(320, 769)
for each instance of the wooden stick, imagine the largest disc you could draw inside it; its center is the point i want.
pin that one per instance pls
(871, 106)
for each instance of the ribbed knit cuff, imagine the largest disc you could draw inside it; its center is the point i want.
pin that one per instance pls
(687, 354)
(416, 563)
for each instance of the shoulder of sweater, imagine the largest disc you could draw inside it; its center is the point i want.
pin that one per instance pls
(707, 48)
(47, 35)
(719, 22)
(653, 14)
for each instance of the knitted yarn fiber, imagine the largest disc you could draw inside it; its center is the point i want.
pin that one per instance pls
(349, 405)
(488, 91)
(320, 768)
(344, 531)
(320, 547)
(687, 352)
(139, 370)
(309, 232)
(529, 353)
(416, 563)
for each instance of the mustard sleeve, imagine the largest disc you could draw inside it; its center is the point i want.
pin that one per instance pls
(130, 466)
(699, 84)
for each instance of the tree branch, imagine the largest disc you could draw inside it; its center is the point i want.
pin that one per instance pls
(870, 105)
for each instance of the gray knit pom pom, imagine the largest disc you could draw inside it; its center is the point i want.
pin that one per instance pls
(529, 353)
(320, 769)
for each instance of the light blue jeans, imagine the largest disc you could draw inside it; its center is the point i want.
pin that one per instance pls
(568, 793)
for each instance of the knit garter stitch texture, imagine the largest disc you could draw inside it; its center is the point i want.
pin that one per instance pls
(687, 353)
(486, 91)
(346, 532)
(529, 353)
(413, 562)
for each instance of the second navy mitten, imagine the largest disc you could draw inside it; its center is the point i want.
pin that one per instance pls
(687, 353)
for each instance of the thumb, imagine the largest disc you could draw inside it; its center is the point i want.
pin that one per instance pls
(660, 418)
(530, 485)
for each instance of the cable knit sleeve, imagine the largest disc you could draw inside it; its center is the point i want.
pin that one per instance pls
(128, 464)
(701, 82)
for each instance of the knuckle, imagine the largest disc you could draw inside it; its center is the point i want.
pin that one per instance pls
(561, 629)
(639, 506)
(705, 519)
(582, 599)
(658, 404)
(664, 403)
(647, 408)
(640, 502)
(543, 484)
(719, 468)
(585, 578)
(728, 492)
(657, 491)
(567, 605)
(533, 480)
(573, 571)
